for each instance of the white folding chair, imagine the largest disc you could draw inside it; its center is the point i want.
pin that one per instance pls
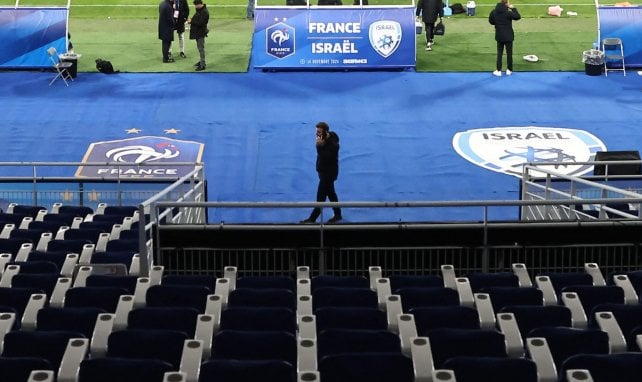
(62, 68)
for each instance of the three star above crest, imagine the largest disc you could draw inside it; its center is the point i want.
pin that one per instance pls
(171, 131)
(133, 130)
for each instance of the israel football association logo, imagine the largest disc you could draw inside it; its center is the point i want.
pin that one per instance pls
(385, 37)
(507, 149)
(280, 40)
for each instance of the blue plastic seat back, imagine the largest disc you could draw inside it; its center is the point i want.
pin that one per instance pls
(49, 345)
(165, 345)
(505, 296)
(438, 317)
(413, 281)
(167, 318)
(258, 319)
(448, 343)
(628, 317)
(45, 282)
(339, 296)
(207, 281)
(264, 297)
(339, 281)
(193, 296)
(366, 367)
(98, 297)
(590, 296)
(114, 369)
(82, 320)
(565, 342)
(492, 369)
(620, 367)
(19, 369)
(248, 345)
(67, 245)
(529, 317)
(338, 341)
(234, 370)
(479, 280)
(421, 297)
(125, 282)
(561, 280)
(350, 318)
(267, 282)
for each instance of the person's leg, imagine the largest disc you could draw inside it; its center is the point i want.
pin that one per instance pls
(322, 193)
(332, 196)
(500, 53)
(181, 43)
(509, 55)
(430, 28)
(165, 47)
(200, 44)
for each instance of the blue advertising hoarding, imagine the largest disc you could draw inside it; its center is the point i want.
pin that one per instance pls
(334, 37)
(625, 23)
(27, 33)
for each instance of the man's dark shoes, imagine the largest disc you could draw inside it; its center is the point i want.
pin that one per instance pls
(307, 221)
(197, 64)
(168, 60)
(200, 67)
(182, 55)
(335, 219)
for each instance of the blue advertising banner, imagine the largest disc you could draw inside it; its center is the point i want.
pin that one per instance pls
(313, 38)
(625, 23)
(27, 33)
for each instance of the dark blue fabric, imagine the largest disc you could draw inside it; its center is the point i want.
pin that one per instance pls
(490, 369)
(620, 367)
(338, 341)
(82, 320)
(252, 345)
(366, 367)
(194, 296)
(565, 342)
(263, 297)
(232, 370)
(123, 370)
(437, 317)
(449, 343)
(506, 296)
(350, 318)
(529, 317)
(479, 280)
(258, 319)
(420, 297)
(165, 345)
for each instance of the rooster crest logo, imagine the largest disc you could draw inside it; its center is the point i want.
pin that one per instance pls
(280, 40)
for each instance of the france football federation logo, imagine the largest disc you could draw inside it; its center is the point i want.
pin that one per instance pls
(385, 37)
(280, 40)
(507, 149)
(135, 153)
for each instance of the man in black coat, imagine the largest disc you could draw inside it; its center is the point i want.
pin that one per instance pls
(198, 31)
(327, 143)
(430, 10)
(166, 28)
(502, 18)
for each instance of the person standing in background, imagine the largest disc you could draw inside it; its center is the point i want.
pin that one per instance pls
(166, 28)
(502, 18)
(198, 31)
(327, 143)
(181, 14)
(430, 10)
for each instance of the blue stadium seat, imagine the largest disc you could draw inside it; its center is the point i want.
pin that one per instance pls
(479, 280)
(366, 367)
(492, 369)
(23, 209)
(265, 297)
(234, 370)
(506, 296)
(99, 297)
(356, 318)
(207, 281)
(439, 317)
(126, 282)
(18, 369)
(448, 343)
(164, 345)
(123, 370)
(113, 257)
(37, 266)
(339, 281)
(194, 296)
(80, 211)
(67, 245)
(44, 282)
(628, 318)
(266, 282)
(620, 367)
(341, 341)
(590, 296)
(342, 296)
(565, 342)
(421, 297)
(49, 345)
(81, 320)
(561, 280)
(250, 345)
(167, 318)
(413, 281)
(15, 300)
(530, 317)
(120, 210)
(258, 319)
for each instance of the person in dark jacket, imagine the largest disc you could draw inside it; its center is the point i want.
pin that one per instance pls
(502, 18)
(327, 143)
(181, 14)
(198, 31)
(166, 28)
(430, 10)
